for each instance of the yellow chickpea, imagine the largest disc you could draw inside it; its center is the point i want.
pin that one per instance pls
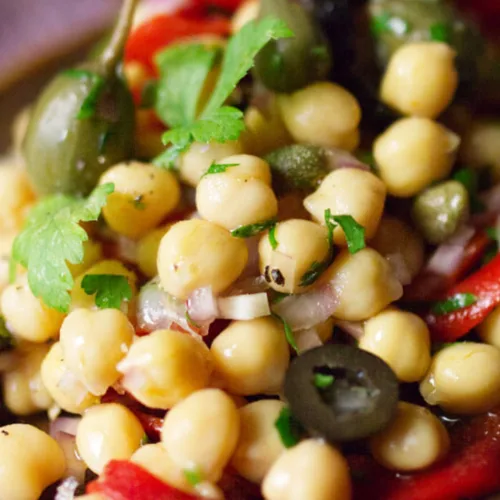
(323, 114)
(201, 432)
(30, 460)
(248, 167)
(198, 253)
(68, 393)
(196, 161)
(395, 238)
(164, 367)
(312, 470)
(489, 329)
(421, 79)
(248, 11)
(29, 318)
(251, 357)
(414, 440)
(464, 378)
(300, 244)
(107, 432)
(93, 343)
(364, 282)
(349, 191)
(6, 241)
(92, 253)
(412, 153)
(402, 340)
(144, 195)
(147, 251)
(259, 445)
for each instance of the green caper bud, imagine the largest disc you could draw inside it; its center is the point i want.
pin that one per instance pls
(83, 122)
(439, 210)
(290, 64)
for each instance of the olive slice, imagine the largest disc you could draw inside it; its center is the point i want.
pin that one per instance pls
(358, 399)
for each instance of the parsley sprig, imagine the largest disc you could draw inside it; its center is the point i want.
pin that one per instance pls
(109, 289)
(289, 428)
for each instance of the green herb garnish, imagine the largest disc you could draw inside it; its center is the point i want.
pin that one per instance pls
(354, 232)
(109, 289)
(279, 297)
(272, 237)
(89, 105)
(458, 301)
(253, 229)
(380, 24)
(323, 381)
(193, 476)
(469, 179)
(219, 168)
(290, 337)
(288, 427)
(440, 32)
(145, 440)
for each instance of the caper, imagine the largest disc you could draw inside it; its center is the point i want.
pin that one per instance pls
(83, 122)
(340, 392)
(440, 210)
(290, 64)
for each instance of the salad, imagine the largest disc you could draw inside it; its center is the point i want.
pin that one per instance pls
(249, 250)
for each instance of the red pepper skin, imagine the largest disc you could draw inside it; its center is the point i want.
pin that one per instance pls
(230, 5)
(485, 285)
(124, 480)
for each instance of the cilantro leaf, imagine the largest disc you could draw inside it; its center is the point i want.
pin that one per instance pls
(440, 32)
(52, 238)
(218, 168)
(458, 301)
(253, 229)
(323, 381)
(354, 232)
(272, 237)
(290, 337)
(288, 427)
(109, 289)
(193, 476)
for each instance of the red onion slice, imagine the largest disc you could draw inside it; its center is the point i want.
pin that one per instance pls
(307, 339)
(202, 305)
(67, 425)
(338, 158)
(399, 267)
(355, 329)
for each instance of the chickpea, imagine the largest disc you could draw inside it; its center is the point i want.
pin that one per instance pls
(30, 460)
(164, 367)
(147, 250)
(92, 253)
(414, 440)
(421, 79)
(402, 340)
(300, 244)
(68, 393)
(489, 329)
(394, 237)
(198, 253)
(248, 11)
(107, 432)
(196, 161)
(251, 357)
(481, 146)
(23, 389)
(93, 342)
(136, 74)
(248, 167)
(29, 318)
(6, 241)
(323, 114)
(364, 282)
(464, 378)
(143, 196)
(311, 469)
(349, 191)
(259, 445)
(201, 432)
(414, 152)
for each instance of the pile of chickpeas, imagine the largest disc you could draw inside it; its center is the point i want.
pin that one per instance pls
(68, 362)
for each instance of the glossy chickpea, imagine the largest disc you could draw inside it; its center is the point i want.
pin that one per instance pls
(300, 244)
(414, 440)
(259, 445)
(421, 79)
(93, 343)
(402, 340)
(29, 318)
(248, 11)
(464, 378)
(196, 161)
(412, 153)
(248, 167)
(107, 432)
(30, 460)
(323, 114)
(198, 253)
(251, 357)
(147, 251)
(349, 191)
(311, 469)
(489, 329)
(144, 195)
(68, 393)
(164, 367)
(364, 282)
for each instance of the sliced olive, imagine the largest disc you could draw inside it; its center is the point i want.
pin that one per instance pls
(360, 400)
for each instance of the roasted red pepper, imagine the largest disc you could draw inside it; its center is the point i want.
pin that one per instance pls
(484, 284)
(123, 480)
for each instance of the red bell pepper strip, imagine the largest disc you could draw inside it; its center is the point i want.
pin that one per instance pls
(124, 480)
(484, 284)
(164, 29)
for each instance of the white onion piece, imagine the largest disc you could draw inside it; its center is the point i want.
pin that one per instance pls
(67, 489)
(202, 305)
(244, 307)
(306, 310)
(338, 158)
(307, 339)
(399, 267)
(67, 425)
(252, 284)
(252, 267)
(355, 329)
(491, 199)
(127, 249)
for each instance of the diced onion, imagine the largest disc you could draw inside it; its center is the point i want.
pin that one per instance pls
(67, 489)
(307, 339)
(244, 307)
(252, 284)
(399, 267)
(353, 328)
(338, 158)
(67, 425)
(202, 305)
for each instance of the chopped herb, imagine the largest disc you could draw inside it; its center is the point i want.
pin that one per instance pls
(320, 52)
(191, 321)
(145, 440)
(380, 24)
(89, 105)
(6, 339)
(469, 179)
(218, 168)
(354, 232)
(492, 233)
(148, 94)
(109, 289)
(193, 476)
(290, 337)
(323, 381)
(138, 202)
(253, 229)
(272, 237)
(53, 237)
(440, 32)
(458, 301)
(288, 427)
(368, 158)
